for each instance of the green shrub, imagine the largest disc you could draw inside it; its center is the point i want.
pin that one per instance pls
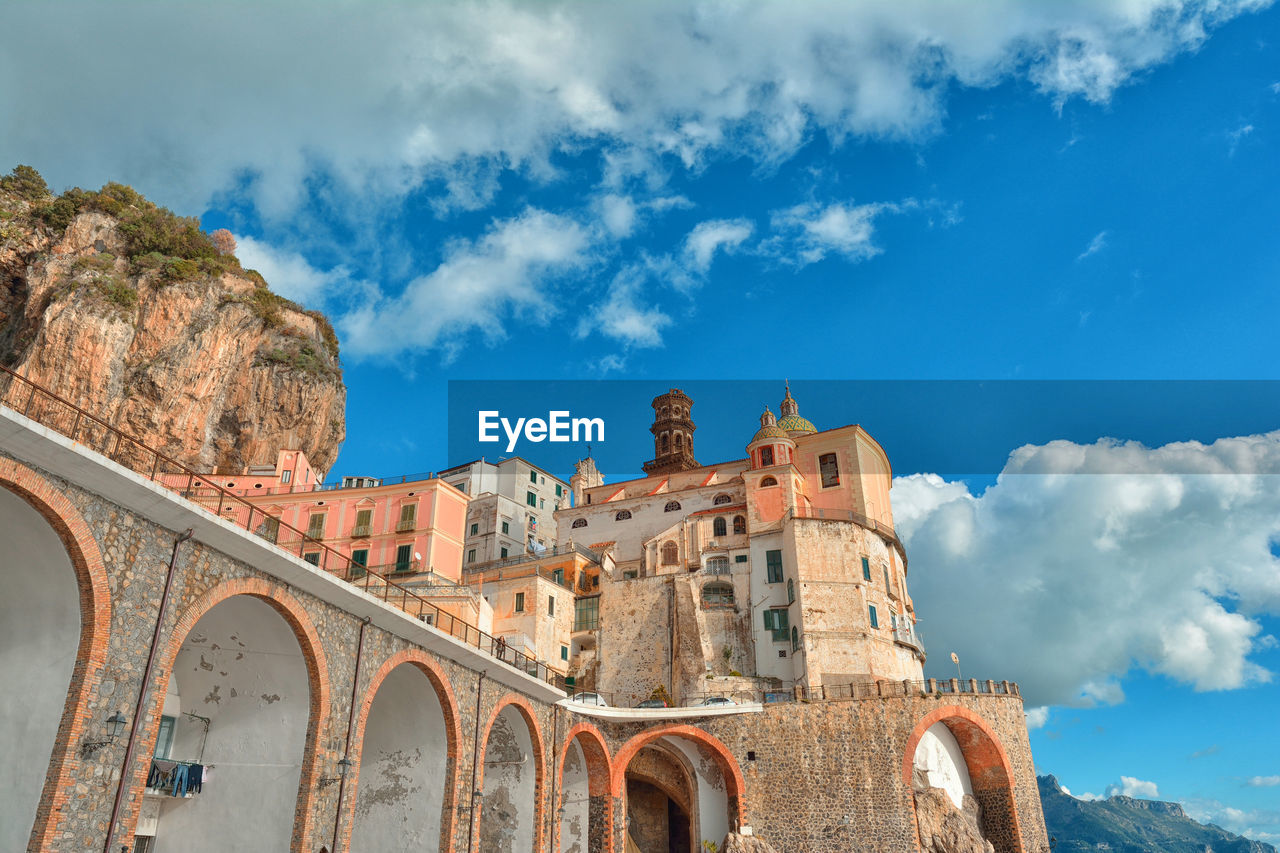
(327, 334)
(178, 269)
(103, 262)
(25, 182)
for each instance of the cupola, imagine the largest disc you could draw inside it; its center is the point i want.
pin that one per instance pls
(771, 444)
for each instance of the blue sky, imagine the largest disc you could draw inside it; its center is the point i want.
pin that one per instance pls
(675, 192)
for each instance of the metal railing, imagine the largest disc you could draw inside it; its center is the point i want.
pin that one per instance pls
(864, 690)
(62, 416)
(529, 557)
(885, 530)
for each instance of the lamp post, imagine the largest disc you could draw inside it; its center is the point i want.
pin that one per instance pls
(114, 728)
(955, 659)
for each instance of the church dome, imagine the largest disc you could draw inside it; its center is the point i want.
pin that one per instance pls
(769, 428)
(795, 423)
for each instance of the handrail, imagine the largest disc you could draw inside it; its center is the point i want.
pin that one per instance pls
(858, 690)
(63, 416)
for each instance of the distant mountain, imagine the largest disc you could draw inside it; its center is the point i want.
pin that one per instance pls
(1126, 825)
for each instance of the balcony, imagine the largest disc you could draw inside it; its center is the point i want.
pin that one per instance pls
(407, 526)
(904, 633)
(362, 531)
(182, 779)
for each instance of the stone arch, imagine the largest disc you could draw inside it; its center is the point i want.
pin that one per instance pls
(989, 771)
(525, 711)
(584, 814)
(734, 784)
(439, 682)
(295, 616)
(79, 713)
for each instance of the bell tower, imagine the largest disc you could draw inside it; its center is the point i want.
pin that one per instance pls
(672, 434)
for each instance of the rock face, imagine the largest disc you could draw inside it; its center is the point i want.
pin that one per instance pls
(193, 355)
(943, 827)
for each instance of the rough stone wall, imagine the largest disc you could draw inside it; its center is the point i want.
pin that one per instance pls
(634, 615)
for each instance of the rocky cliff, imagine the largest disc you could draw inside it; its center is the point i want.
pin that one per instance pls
(139, 317)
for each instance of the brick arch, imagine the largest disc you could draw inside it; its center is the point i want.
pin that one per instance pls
(95, 630)
(989, 770)
(596, 753)
(735, 786)
(526, 711)
(280, 600)
(427, 665)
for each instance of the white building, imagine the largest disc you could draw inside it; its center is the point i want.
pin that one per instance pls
(512, 508)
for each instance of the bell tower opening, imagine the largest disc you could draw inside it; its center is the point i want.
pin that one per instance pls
(672, 434)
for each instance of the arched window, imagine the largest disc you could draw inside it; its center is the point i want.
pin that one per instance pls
(666, 443)
(623, 515)
(717, 566)
(718, 527)
(739, 524)
(768, 481)
(766, 456)
(720, 499)
(670, 554)
(578, 522)
(795, 639)
(679, 441)
(672, 506)
(791, 590)
(717, 594)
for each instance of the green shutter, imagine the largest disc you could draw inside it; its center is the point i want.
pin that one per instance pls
(773, 566)
(871, 611)
(866, 569)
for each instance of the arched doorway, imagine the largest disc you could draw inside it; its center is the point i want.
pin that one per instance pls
(407, 771)
(511, 782)
(584, 810)
(961, 780)
(51, 615)
(679, 787)
(231, 744)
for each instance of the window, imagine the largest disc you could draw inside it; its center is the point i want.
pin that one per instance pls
(586, 614)
(887, 586)
(559, 492)
(741, 558)
(717, 594)
(542, 503)
(578, 522)
(364, 523)
(504, 553)
(551, 605)
(360, 556)
(471, 555)
(564, 653)
(404, 557)
(475, 528)
(768, 481)
(791, 590)
(313, 558)
(672, 506)
(531, 499)
(164, 739)
(558, 576)
(739, 524)
(866, 569)
(871, 616)
(630, 574)
(506, 527)
(717, 565)
(315, 525)
(670, 554)
(766, 457)
(623, 515)
(775, 620)
(721, 499)
(795, 639)
(519, 602)
(408, 517)
(829, 470)
(773, 566)
(666, 444)
(533, 477)
(719, 527)
(285, 477)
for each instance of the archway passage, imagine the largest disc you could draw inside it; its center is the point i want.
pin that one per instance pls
(231, 744)
(585, 807)
(508, 811)
(406, 770)
(679, 786)
(40, 632)
(962, 780)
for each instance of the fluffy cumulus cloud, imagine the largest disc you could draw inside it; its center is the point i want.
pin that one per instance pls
(1263, 781)
(389, 96)
(1260, 824)
(623, 317)
(1084, 561)
(289, 273)
(807, 233)
(724, 235)
(1131, 787)
(511, 270)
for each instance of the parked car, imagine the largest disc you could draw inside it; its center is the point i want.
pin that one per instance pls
(715, 701)
(653, 703)
(591, 699)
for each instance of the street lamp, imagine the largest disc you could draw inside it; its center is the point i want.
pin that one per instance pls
(114, 728)
(344, 766)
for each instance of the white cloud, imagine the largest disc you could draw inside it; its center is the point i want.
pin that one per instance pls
(1263, 781)
(622, 317)
(384, 97)
(1096, 245)
(1235, 137)
(807, 233)
(289, 273)
(1036, 718)
(1260, 824)
(618, 212)
(1084, 561)
(706, 238)
(1131, 787)
(510, 270)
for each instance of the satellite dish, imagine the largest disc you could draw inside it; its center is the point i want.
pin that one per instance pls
(418, 556)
